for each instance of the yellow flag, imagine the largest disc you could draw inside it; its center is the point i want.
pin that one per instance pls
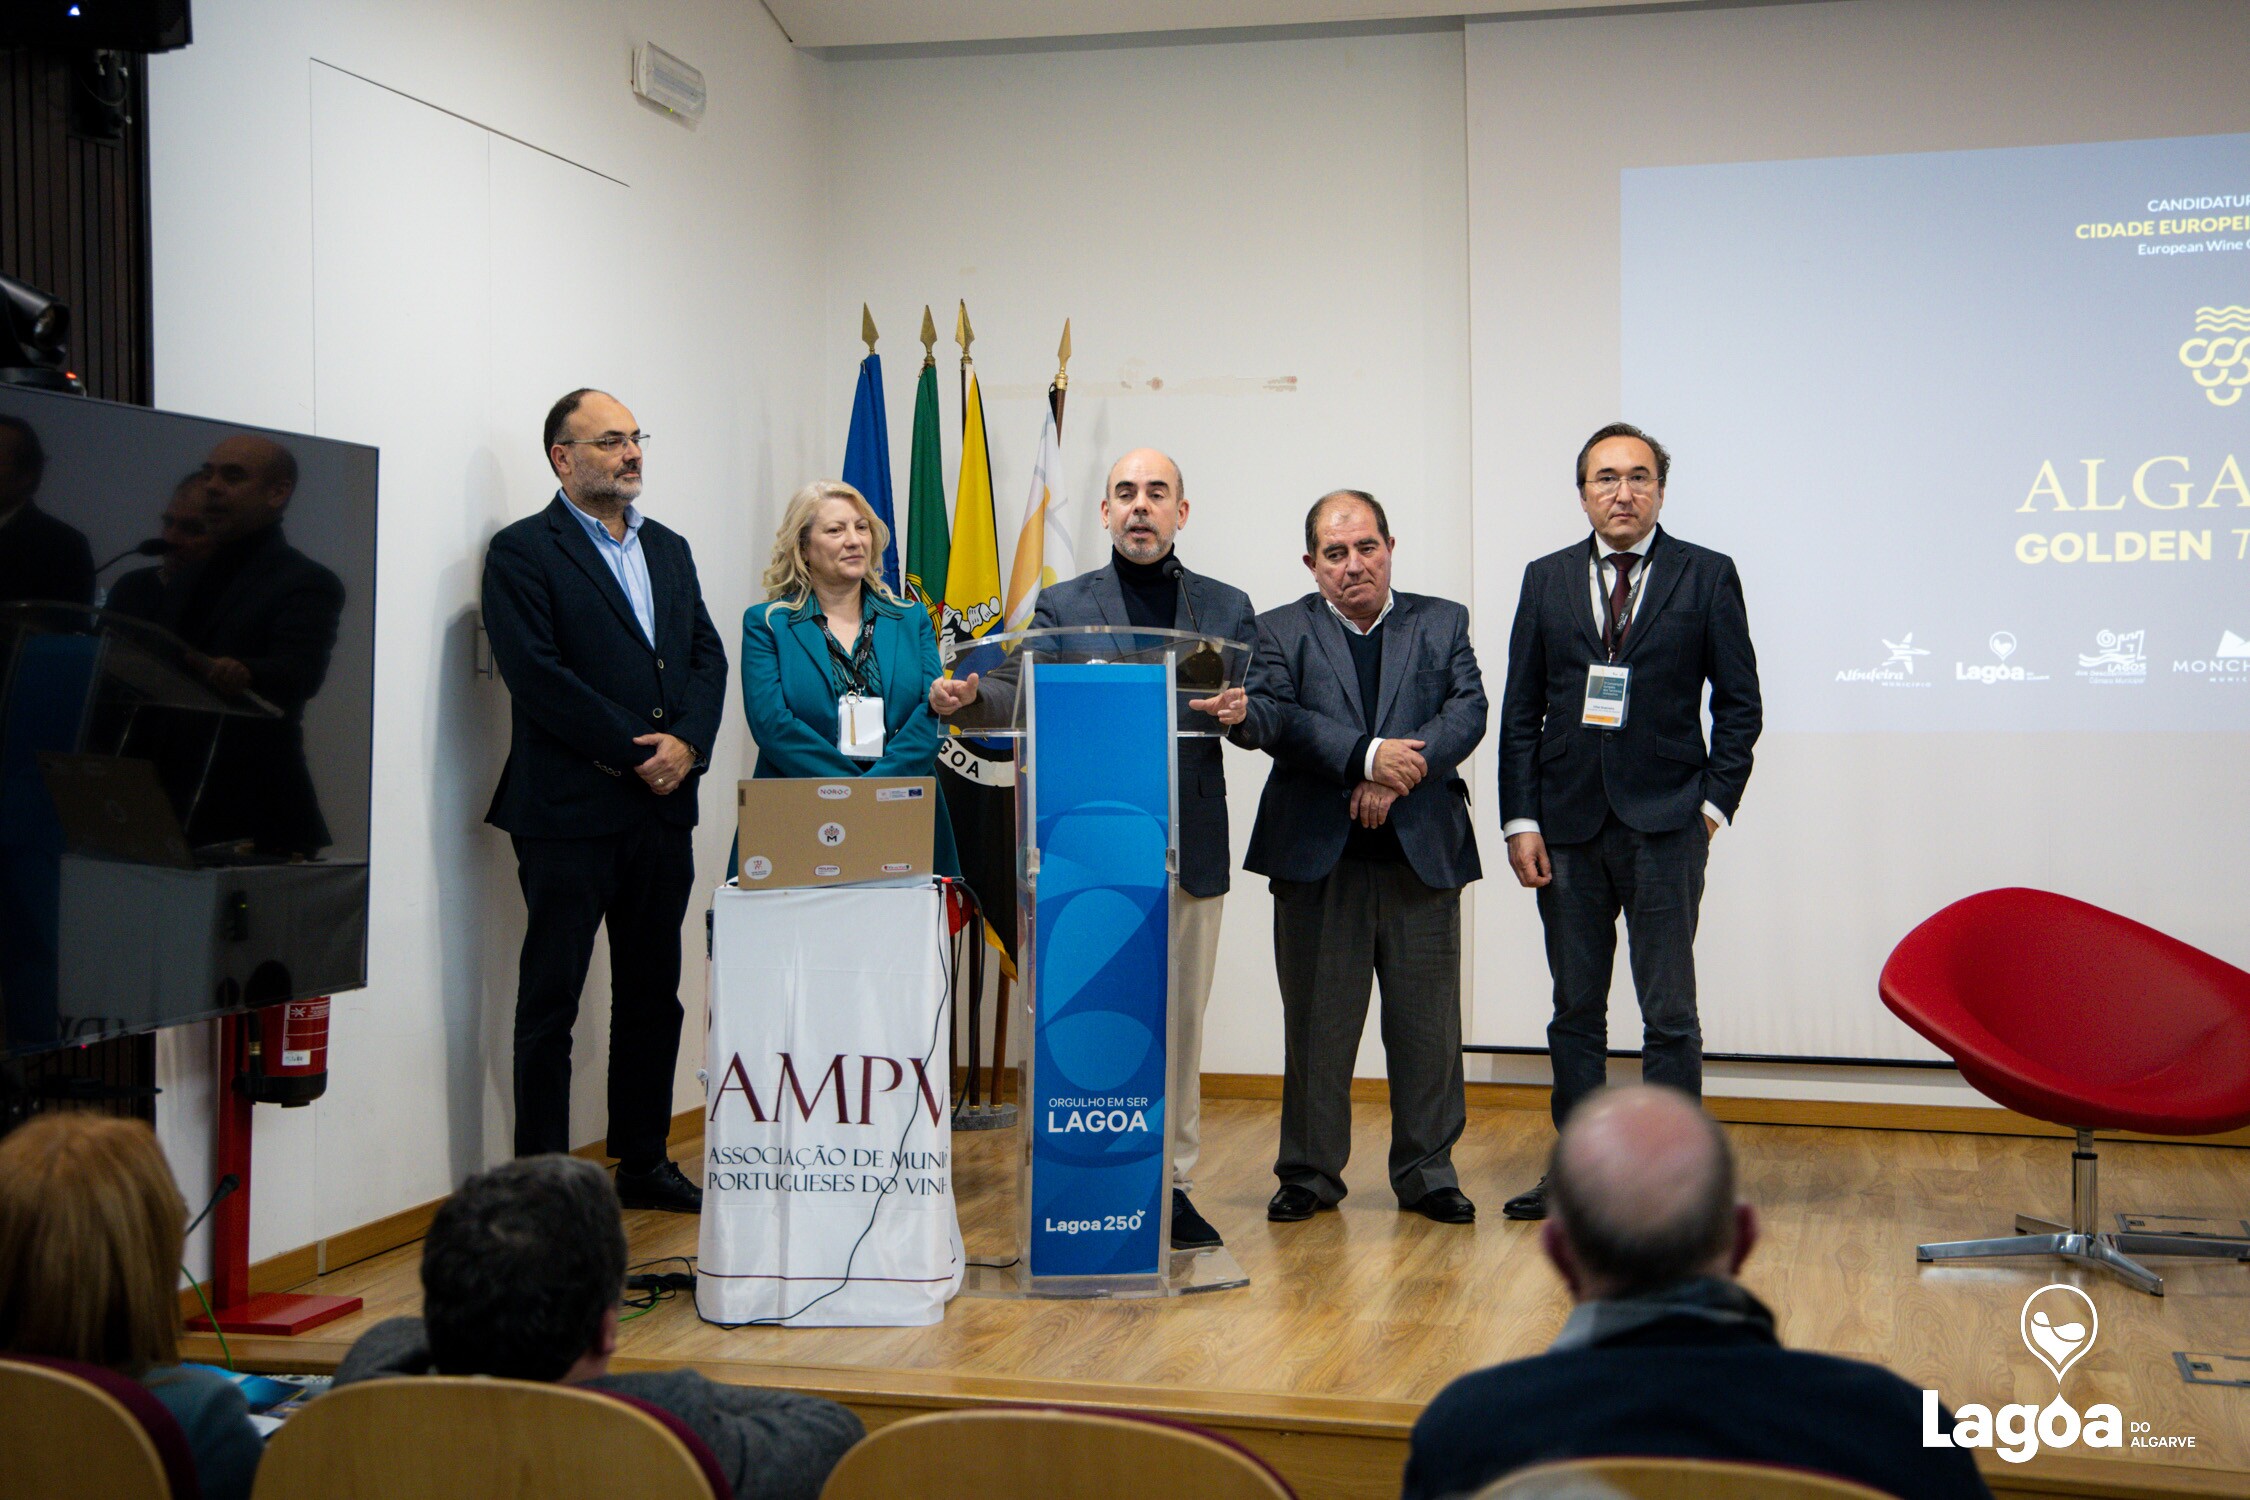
(972, 578)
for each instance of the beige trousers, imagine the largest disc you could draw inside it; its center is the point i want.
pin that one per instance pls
(1195, 950)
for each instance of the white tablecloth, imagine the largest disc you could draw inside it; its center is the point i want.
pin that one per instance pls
(828, 1197)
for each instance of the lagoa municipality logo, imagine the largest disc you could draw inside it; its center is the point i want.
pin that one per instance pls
(2058, 1324)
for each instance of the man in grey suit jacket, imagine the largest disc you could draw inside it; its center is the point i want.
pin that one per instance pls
(1144, 506)
(1368, 701)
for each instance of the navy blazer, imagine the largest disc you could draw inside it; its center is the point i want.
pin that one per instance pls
(584, 682)
(791, 700)
(1654, 772)
(1207, 607)
(1305, 710)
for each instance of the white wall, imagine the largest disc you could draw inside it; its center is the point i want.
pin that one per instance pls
(1261, 248)
(1844, 842)
(415, 224)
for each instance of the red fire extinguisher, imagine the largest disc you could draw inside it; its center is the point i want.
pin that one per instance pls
(289, 1052)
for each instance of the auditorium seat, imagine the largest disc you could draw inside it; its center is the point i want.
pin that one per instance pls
(444, 1437)
(1670, 1479)
(69, 1430)
(1049, 1453)
(2083, 1018)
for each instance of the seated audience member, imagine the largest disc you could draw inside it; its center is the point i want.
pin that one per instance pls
(521, 1275)
(1665, 1354)
(90, 1232)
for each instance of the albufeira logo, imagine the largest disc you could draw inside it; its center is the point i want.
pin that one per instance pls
(2059, 1324)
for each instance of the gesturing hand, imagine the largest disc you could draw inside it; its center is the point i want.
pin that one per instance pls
(1399, 765)
(949, 695)
(1371, 804)
(1527, 854)
(669, 761)
(1229, 707)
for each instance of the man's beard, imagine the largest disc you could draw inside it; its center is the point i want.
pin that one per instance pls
(612, 490)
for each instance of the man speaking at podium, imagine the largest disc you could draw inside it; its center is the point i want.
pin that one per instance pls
(1608, 799)
(1144, 506)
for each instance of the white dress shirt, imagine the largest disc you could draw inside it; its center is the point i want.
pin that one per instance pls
(1601, 578)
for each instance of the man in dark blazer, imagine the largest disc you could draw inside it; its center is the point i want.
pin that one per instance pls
(1368, 701)
(1608, 797)
(1665, 1355)
(264, 618)
(618, 681)
(1144, 507)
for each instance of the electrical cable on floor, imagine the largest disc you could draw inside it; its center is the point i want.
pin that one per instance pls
(224, 1352)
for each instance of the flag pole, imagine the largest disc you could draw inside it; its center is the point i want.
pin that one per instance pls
(867, 329)
(964, 335)
(1061, 390)
(929, 335)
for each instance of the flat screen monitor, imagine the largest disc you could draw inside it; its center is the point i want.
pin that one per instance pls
(187, 666)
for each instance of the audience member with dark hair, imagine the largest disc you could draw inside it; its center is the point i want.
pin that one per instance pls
(521, 1275)
(90, 1230)
(1665, 1354)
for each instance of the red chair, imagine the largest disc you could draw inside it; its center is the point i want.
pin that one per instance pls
(2078, 1016)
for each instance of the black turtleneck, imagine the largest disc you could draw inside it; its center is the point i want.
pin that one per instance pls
(1152, 600)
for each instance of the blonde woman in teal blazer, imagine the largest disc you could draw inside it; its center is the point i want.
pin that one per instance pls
(829, 625)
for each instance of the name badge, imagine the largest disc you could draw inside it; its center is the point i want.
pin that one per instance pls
(1605, 695)
(859, 726)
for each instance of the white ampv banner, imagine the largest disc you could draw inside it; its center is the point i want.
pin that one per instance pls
(828, 1168)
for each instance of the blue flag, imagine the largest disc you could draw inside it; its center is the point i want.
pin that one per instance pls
(867, 457)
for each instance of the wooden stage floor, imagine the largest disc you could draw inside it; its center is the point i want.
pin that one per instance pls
(1353, 1320)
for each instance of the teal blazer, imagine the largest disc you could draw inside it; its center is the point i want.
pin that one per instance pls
(792, 704)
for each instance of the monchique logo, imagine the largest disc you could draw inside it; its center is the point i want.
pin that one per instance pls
(2219, 354)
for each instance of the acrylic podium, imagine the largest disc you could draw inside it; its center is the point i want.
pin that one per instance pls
(1094, 713)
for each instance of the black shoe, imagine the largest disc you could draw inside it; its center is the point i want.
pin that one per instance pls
(1528, 1204)
(1446, 1205)
(1293, 1204)
(1190, 1230)
(665, 1189)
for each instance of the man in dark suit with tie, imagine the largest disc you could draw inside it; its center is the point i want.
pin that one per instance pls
(1608, 797)
(618, 681)
(1144, 584)
(1368, 701)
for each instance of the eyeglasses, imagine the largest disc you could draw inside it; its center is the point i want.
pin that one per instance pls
(1606, 486)
(609, 442)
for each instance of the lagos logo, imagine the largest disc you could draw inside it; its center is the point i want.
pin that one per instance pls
(2219, 354)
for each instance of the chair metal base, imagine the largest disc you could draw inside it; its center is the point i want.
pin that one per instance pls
(2082, 1243)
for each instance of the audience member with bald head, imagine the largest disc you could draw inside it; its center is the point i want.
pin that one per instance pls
(1144, 585)
(1664, 1353)
(1369, 700)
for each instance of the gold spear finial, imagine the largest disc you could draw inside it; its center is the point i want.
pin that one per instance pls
(963, 334)
(1062, 359)
(929, 336)
(867, 328)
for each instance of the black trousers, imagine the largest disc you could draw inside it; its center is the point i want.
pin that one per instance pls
(638, 882)
(1656, 880)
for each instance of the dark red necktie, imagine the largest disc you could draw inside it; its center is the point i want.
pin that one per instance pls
(1620, 600)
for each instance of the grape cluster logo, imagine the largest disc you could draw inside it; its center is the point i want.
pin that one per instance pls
(2219, 354)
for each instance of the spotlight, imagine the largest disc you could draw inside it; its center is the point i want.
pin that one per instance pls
(35, 339)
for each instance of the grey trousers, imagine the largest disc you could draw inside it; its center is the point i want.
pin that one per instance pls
(1656, 880)
(1332, 938)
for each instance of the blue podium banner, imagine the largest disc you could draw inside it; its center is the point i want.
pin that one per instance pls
(1101, 771)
